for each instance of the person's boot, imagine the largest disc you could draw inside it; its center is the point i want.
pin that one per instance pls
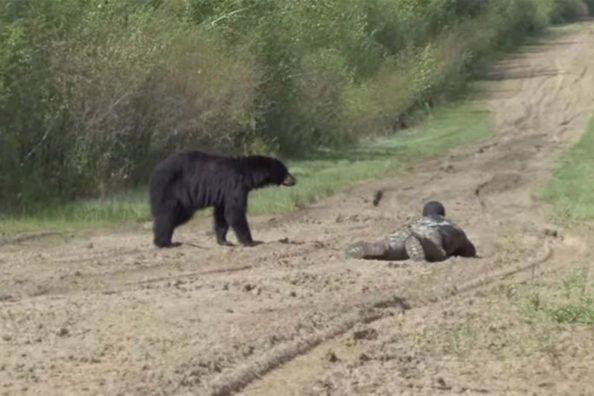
(367, 250)
(414, 249)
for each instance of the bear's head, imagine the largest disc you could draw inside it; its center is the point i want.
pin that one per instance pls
(264, 171)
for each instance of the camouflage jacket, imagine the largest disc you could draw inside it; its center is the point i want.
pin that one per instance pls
(431, 238)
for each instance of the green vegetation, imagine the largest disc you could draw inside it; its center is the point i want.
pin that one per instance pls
(567, 301)
(570, 191)
(520, 319)
(318, 176)
(94, 92)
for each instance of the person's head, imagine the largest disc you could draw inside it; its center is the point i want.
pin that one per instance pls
(433, 208)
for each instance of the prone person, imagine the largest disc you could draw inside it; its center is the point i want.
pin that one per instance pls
(432, 238)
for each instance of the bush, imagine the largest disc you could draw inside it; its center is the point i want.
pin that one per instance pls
(590, 5)
(569, 10)
(93, 112)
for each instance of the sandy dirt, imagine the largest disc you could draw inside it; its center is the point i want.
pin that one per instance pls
(107, 313)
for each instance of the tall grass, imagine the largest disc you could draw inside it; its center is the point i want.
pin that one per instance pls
(566, 300)
(94, 92)
(570, 190)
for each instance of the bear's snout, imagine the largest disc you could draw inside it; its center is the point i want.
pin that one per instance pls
(290, 180)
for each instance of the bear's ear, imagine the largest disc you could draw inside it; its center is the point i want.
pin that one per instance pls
(289, 180)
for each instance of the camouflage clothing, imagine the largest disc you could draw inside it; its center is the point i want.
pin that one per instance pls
(431, 238)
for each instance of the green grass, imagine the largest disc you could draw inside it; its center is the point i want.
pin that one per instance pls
(571, 195)
(570, 191)
(318, 177)
(571, 299)
(567, 301)
(120, 208)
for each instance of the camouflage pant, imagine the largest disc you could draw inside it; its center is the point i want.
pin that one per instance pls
(402, 245)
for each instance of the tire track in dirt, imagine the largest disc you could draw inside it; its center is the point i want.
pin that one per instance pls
(369, 312)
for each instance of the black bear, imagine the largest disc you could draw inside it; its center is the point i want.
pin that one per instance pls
(188, 181)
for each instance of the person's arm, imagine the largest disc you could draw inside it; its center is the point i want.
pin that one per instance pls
(467, 249)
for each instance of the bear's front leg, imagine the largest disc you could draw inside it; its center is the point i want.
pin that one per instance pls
(163, 226)
(221, 226)
(239, 223)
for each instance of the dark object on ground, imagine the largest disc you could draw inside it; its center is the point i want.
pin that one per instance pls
(377, 197)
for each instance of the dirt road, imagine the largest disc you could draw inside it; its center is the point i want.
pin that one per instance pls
(109, 314)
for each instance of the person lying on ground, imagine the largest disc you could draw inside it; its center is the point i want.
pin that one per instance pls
(432, 238)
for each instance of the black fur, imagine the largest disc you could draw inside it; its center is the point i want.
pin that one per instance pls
(188, 181)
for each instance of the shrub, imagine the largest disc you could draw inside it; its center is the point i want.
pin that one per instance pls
(569, 10)
(93, 112)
